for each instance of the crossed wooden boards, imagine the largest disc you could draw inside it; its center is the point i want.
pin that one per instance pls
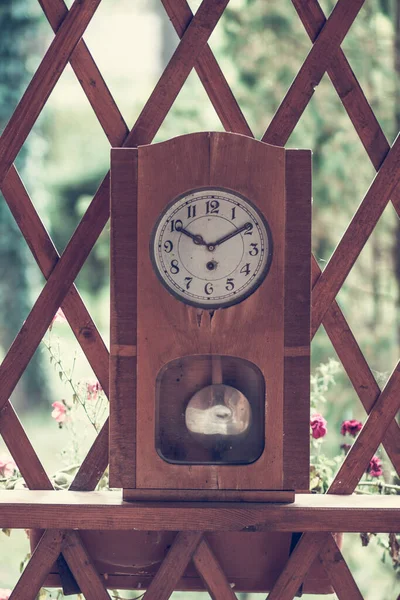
(192, 52)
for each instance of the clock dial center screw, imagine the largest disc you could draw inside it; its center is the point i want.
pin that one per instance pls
(211, 265)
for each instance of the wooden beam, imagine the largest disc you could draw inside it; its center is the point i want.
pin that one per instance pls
(312, 71)
(107, 511)
(301, 559)
(80, 563)
(173, 565)
(43, 81)
(211, 573)
(338, 571)
(35, 572)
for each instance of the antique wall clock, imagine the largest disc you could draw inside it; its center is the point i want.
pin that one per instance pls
(210, 319)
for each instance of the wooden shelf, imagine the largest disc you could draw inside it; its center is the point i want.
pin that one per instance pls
(107, 511)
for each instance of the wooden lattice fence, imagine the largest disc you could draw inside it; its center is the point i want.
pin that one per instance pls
(39, 507)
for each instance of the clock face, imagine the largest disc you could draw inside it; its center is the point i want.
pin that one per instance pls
(211, 248)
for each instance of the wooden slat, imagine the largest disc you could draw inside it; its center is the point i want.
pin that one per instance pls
(350, 92)
(347, 86)
(53, 293)
(94, 464)
(34, 575)
(360, 374)
(338, 571)
(369, 438)
(176, 72)
(80, 563)
(124, 187)
(43, 81)
(301, 559)
(210, 74)
(22, 450)
(90, 78)
(107, 511)
(356, 235)
(173, 566)
(211, 573)
(296, 454)
(311, 71)
(47, 256)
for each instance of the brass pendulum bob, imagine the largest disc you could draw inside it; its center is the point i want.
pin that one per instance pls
(218, 415)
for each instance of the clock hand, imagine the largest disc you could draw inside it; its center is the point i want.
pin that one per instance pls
(195, 237)
(227, 237)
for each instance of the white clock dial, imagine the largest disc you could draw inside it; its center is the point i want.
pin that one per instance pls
(211, 248)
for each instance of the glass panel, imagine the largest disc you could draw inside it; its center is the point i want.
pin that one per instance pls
(210, 410)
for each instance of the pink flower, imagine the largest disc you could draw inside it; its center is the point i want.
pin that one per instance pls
(375, 467)
(318, 426)
(351, 427)
(92, 390)
(7, 467)
(4, 594)
(59, 317)
(59, 413)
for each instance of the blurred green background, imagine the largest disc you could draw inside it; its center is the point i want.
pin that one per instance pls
(260, 47)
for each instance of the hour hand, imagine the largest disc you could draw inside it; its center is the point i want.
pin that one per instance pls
(194, 236)
(227, 237)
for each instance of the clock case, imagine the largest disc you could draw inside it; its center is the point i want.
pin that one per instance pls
(150, 328)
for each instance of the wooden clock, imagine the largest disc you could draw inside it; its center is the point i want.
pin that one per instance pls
(210, 343)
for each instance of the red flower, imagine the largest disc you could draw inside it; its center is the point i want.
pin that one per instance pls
(318, 426)
(375, 467)
(345, 447)
(351, 427)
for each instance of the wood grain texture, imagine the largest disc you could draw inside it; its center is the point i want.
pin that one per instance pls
(301, 559)
(369, 438)
(22, 450)
(90, 78)
(43, 81)
(336, 567)
(311, 71)
(175, 329)
(173, 566)
(35, 572)
(355, 236)
(123, 317)
(210, 73)
(296, 409)
(163, 495)
(211, 573)
(80, 563)
(107, 511)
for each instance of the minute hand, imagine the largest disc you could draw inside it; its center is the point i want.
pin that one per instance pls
(227, 237)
